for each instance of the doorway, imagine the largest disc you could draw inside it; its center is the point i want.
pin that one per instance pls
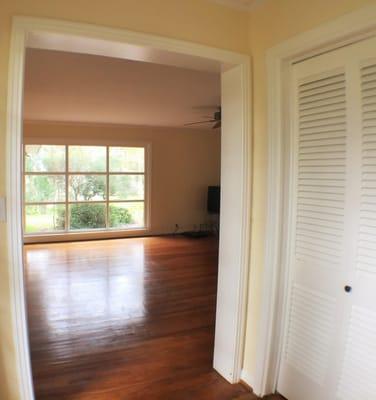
(233, 257)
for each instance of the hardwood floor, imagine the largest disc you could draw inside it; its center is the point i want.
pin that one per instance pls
(124, 319)
(251, 396)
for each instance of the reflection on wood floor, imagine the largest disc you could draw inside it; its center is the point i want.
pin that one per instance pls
(124, 319)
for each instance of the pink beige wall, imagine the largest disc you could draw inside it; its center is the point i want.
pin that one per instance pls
(183, 163)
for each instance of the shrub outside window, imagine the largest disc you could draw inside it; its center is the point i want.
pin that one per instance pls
(70, 188)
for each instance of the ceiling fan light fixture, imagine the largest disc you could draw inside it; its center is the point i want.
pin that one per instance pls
(217, 117)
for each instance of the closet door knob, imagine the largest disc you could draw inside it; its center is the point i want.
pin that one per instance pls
(348, 289)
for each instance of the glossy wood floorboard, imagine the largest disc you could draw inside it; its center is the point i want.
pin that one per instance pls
(124, 319)
(250, 396)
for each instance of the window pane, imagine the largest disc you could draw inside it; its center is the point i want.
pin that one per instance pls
(126, 187)
(44, 188)
(126, 215)
(87, 158)
(44, 218)
(87, 187)
(127, 159)
(87, 216)
(44, 158)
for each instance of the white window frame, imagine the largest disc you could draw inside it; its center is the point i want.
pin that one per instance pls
(67, 203)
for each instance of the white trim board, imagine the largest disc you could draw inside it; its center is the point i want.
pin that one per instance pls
(247, 379)
(344, 30)
(234, 250)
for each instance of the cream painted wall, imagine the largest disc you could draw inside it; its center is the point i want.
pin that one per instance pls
(194, 20)
(271, 23)
(183, 163)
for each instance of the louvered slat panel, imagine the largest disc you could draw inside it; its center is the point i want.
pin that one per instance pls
(318, 238)
(328, 96)
(311, 319)
(321, 171)
(323, 168)
(333, 79)
(357, 379)
(330, 344)
(322, 208)
(325, 105)
(322, 141)
(358, 376)
(336, 162)
(322, 129)
(324, 110)
(319, 219)
(367, 234)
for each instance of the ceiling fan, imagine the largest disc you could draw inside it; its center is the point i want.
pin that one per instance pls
(215, 119)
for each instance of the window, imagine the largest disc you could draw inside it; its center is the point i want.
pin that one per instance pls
(82, 188)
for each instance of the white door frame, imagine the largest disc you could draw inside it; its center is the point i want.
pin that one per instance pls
(344, 30)
(235, 197)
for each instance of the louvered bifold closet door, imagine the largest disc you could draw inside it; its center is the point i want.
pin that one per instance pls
(316, 229)
(357, 380)
(329, 350)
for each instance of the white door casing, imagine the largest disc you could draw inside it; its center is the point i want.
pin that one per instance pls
(227, 341)
(231, 309)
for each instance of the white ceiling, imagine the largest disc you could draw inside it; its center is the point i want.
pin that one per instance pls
(71, 87)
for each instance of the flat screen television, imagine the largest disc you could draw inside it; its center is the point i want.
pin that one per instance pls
(214, 196)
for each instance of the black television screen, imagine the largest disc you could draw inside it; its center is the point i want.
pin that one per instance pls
(214, 195)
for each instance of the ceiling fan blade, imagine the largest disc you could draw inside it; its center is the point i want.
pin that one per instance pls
(200, 122)
(217, 125)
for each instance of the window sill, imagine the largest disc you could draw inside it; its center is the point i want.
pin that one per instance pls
(84, 235)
